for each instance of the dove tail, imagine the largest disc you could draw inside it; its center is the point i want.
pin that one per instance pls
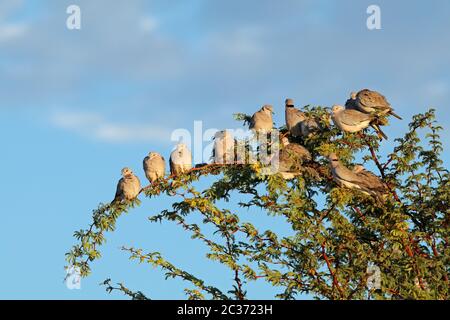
(380, 132)
(116, 200)
(392, 113)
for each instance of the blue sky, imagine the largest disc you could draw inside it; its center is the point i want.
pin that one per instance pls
(77, 106)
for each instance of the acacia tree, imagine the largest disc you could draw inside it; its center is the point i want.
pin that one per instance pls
(338, 233)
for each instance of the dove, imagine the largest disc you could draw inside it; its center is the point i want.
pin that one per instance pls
(294, 118)
(373, 102)
(224, 145)
(262, 120)
(128, 187)
(309, 126)
(154, 166)
(350, 120)
(357, 179)
(371, 179)
(297, 122)
(291, 157)
(180, 160)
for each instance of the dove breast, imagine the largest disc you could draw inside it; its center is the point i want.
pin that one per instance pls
(294, 119)
(154, 167)
(224, 145)
(262, 121)
(180, 160)
(128, 188)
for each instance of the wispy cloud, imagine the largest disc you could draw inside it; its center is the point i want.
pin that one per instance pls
(148, 24)
(96, 126)
(12, 31)
(186, 62)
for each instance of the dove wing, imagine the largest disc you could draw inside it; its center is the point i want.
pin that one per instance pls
(146, 164)
(371, 181)
(345, 174)
(352, 117)
(172, 166)
(119, 190)
(298, 151)
(373, 99)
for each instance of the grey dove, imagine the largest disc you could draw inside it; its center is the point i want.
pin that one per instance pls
(371, 179)
(262, 119)
(294, 118)
(373, 102)
(309, 126)
(291, 158)
(180, 160)
(128, 187)
(359, 179)
(350, 120)
(154, 166)
(224, 148)
(297, 122)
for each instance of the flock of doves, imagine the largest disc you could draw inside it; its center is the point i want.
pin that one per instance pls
(363, 109)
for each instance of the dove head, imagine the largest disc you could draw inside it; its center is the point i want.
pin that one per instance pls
(127, 172)
(337, 108)
(181, 147)
(334, 160)
(223, 134)
(289, 103)
(267, 108)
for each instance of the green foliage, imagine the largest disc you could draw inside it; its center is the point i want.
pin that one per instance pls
(337, 232)
(121, 288)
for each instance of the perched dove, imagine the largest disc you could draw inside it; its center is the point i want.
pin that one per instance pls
(350, 120)
(224, 145)
(358, 179)
(372, 179)
(291, 158)
(309, 126)
(128, 187)
(297, 122)
(294, 118)
(373, 102)
(180, 160)
(154, 166)
(262, 120)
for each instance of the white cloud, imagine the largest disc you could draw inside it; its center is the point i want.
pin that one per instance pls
(95, 126)
(12, 31)
(148, 24)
